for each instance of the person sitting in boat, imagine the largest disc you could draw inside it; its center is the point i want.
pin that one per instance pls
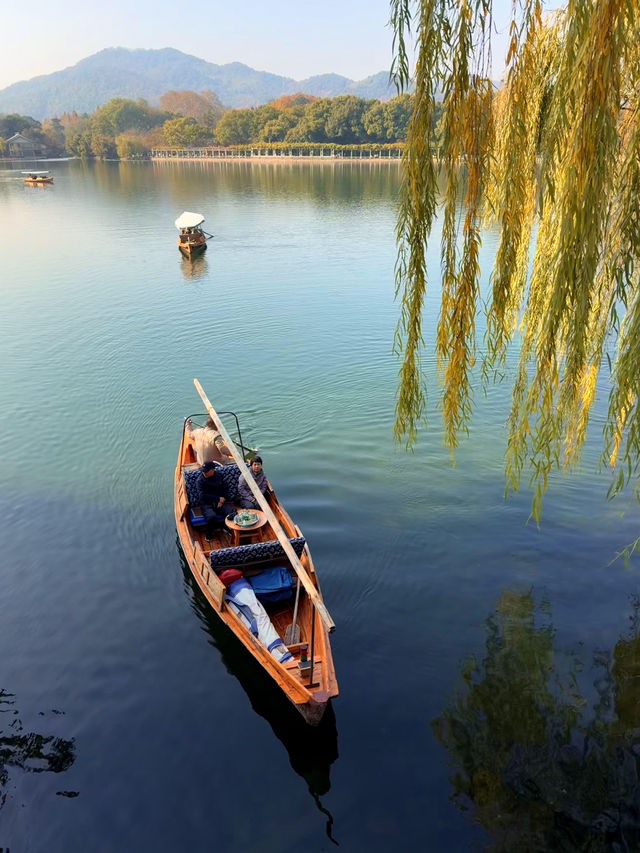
(246, 499)
(209, 444)
(212, 494)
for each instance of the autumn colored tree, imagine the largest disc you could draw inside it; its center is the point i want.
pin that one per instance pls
(285, 102)
(553, 154)
(69, 119)
(205, 107)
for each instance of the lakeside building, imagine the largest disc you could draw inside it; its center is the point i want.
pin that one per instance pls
(22, 148)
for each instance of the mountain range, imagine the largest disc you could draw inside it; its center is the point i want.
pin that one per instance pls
(120, 72)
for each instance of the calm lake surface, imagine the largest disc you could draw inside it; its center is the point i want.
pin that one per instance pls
(489, 670)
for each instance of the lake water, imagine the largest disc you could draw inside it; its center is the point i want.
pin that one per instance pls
(488, 669)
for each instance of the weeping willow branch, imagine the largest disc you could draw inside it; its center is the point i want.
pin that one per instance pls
(417, 210)
(553, 154)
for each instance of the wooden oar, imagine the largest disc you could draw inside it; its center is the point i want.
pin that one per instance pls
(282, 537)
(292, 632)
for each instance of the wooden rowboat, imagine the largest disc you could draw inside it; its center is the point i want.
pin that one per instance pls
(192, 239)
(35, 178)
(273, 547)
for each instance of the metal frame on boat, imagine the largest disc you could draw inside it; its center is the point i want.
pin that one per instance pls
(306, 673)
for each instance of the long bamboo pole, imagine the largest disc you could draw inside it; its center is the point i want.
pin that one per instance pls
(282, 537)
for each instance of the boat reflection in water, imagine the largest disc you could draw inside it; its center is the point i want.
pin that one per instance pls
(312, 749)
(545, 743)
(194, 269)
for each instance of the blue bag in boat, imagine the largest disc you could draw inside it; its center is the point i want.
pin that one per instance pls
(273, 584)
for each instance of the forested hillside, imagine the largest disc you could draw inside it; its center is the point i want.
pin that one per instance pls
(148, 74)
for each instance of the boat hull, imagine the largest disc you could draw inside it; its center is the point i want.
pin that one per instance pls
(192, 250)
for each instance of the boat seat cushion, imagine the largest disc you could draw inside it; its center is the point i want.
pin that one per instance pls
(230, 475)
(272, 584)
(197, 517)
(253, 553)
(189, 478)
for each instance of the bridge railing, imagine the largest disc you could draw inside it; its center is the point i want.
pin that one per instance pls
(341, 152)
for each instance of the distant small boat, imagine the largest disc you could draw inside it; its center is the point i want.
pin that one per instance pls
(192, 240)
(42, 177)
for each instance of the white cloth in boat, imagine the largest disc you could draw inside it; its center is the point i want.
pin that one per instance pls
(242, 592)
(209, 446)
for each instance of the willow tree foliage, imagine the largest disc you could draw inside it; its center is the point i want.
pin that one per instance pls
(553, 157)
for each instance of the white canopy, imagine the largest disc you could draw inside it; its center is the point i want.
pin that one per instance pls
(189, 220)
(34, 172)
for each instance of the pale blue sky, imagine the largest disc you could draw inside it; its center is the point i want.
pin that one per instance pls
(295, 39)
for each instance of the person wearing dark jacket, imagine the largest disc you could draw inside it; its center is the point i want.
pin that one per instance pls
(212, 493)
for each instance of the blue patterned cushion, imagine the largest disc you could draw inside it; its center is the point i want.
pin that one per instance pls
(256, 551)
(230, 474)
(190, 486)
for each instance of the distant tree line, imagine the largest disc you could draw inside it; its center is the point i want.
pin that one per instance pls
(345, 120)
(127, 128)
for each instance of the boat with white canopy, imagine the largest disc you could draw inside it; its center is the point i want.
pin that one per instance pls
(192, 239)
(38, 177)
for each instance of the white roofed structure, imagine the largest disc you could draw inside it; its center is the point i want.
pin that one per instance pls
(189, 220)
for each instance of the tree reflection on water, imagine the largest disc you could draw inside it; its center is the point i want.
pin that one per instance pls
(29, 751)
(542, 761)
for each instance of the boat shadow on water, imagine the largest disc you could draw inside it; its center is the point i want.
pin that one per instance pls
(311, 749)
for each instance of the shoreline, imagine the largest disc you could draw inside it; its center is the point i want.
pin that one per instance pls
(279, 159)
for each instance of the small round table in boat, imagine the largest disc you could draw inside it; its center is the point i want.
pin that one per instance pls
(247, 532)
